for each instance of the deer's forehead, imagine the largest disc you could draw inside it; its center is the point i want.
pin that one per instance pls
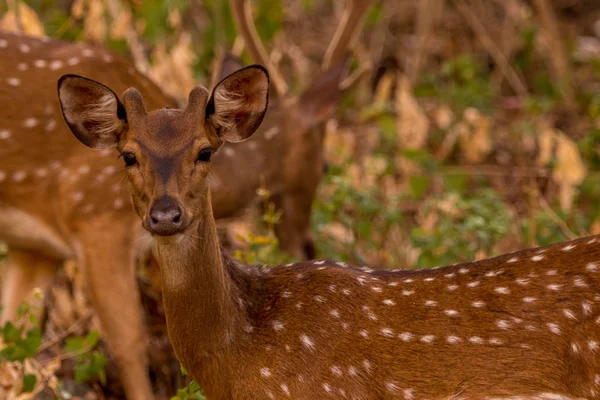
(167, 129)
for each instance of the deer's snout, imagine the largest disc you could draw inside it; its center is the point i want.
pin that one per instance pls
(165, 217)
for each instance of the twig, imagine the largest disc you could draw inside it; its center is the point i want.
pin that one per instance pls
(558, 54)
(75, 326)
(427, 15)
(499, 58)
(558, 220)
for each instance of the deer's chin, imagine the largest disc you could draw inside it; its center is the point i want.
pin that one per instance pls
(169, 240)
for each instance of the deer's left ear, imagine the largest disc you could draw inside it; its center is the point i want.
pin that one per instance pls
(238, 103)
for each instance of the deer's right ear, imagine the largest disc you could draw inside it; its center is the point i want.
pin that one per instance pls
(93, 111)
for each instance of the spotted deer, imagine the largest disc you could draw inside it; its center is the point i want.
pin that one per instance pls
(524, 325)
(61, 201)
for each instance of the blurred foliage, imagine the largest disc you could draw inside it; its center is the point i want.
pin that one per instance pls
(470, 189)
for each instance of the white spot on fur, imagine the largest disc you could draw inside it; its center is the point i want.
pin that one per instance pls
(453, 339)
(537, 258)
(478, 304)
(495, 341)
(522, 281)
(554, 287)
(387, 332)
(19, 176)
(319, 299)
(277, 326)
(512, 260)
(389, 302)
(427, 338)
(56, 64)
(430, 279)
(593, 345)
(451, 313)
(4, 134)
(364, 333)
(586, 307)
(271, 133)
(334, 313)
(473, 284)
(336, 370)
(13, 81)
(575, 348)
(73, 61)
(408, 292)
(502, 290)
(529, 299)
(266, 372)
(476, 340)
(391, 387)
(592, 267)
(405, 336)
(569, 314)
(554, 328)
(452, 287)
(551, 272)
(307, 342)
(24, 48)
(579, 282)
(431, 303)
(352, 371)
(503, 324)
(568, 247)
(463, 271)
(367, 365)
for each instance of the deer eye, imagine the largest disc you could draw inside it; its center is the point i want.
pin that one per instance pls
(129, 159)
(205, 154)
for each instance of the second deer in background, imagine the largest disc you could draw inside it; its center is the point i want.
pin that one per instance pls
(51, 212)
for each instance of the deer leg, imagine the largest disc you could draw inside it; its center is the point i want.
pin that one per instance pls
(26, 271)
(109, 270)
(293, 230)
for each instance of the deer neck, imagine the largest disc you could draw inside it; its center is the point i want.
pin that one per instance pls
(200, 296)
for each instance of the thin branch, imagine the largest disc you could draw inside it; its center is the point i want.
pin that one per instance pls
(558, 54)
(494, 51)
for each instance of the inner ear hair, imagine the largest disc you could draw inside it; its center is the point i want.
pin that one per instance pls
(101, 115)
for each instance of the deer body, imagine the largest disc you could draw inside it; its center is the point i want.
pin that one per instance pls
(523, 325)
(520, 326)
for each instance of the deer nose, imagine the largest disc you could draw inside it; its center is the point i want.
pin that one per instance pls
(165, 217)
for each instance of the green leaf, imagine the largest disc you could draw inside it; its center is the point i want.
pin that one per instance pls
(92, 338)
(10, 333)
(418, 186)
(29, 381)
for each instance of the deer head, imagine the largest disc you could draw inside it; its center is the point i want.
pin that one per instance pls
(166, 152)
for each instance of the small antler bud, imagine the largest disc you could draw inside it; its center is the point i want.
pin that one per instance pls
(134, 103)
(197, 102)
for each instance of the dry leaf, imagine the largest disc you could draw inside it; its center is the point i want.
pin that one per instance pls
(339, 233)
(546, 139)
(569, 171)
(94, 24)
(28, 21)
(443, 116)
(174, 69)
(119, 28)
(383, 90)
(475, 137)
(412, 126)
